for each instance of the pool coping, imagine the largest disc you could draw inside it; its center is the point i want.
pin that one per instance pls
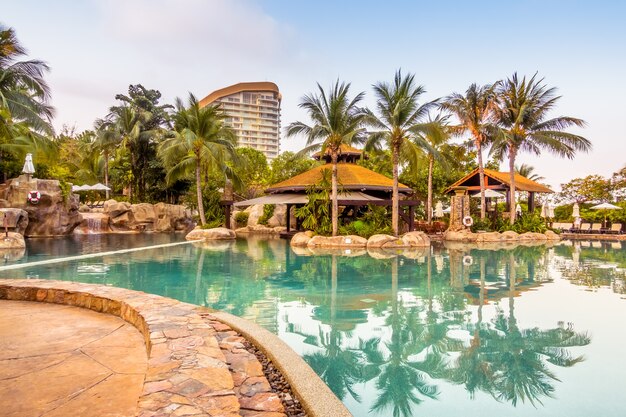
(164, 322)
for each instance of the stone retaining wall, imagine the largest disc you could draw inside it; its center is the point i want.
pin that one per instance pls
(192, 355)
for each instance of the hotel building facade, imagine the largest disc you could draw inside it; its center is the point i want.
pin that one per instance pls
(253, 112)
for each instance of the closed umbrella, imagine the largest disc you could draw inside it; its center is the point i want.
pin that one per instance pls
(439, 209)
(550, 211)
(544, 210)
(575, 210)
(29, 168)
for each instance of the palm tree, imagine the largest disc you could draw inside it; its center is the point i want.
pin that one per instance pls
(474, 112)
(436, 134)
(128, 124)
(23, 91)
(336, 120)
(522, 116)
(528, 171)
(107, 139)
(200, 139)
(398, 120)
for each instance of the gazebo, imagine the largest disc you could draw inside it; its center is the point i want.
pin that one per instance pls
(358, 186)
(500, 181)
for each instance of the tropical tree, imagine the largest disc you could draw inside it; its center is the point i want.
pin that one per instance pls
(337, 120)
(436, 134)
(474, 111)
(528, 171)
(25, 114)
(108, 138)
(200, 140)
(522, 117)
(397, 122)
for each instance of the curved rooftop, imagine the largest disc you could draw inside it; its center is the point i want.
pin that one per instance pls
(238, 88)
(350, 177)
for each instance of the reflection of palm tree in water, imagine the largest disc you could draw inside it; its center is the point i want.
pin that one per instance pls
(401, 379)
(339, 367)
(508, 362)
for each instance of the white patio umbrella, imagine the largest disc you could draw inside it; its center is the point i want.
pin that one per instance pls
(550, 211)
(544, 210)
(489, 193)
(575, 210)
(438, 209)
(99, 187)
(605, 206)
(29, 168)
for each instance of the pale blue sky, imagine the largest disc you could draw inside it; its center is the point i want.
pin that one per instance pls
(96, 48)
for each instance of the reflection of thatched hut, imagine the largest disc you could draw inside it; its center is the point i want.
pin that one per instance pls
(359, 186)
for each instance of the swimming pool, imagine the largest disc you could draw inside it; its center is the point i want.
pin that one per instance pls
(526, 331)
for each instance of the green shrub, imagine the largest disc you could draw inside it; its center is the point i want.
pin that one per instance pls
(241, 218)
(268, 212)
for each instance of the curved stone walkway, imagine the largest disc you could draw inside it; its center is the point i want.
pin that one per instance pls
(197, 366)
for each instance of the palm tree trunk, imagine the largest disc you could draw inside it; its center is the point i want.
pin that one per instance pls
(429, 202)
(199, 195)
(333, 195)
(106, 173)
(395, 203)
(481, 176)
(512, 203)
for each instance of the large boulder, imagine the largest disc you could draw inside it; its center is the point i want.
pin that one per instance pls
(54, 214)
(143, 213)
(416, 239)
(94, 223)
(530, 236)
(218, 233)
(114, 208)
(350, 241)
(464, 235)
(488, 237)
(550, 235)
(11, 240)
(172, 217)
(509, 235)
(301, 239)
(13, 219)
(254, 213)
(378, 241)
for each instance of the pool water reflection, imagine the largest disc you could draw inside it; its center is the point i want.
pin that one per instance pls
(524, 331)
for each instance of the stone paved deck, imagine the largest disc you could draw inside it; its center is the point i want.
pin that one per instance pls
(60, 360)
(196, 365)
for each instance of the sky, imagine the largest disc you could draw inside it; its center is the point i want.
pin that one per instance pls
(97, 48)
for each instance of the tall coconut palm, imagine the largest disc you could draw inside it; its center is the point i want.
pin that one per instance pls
(107, 139)
(337, 120)
(23, 91)
(474, 111)
(398, 118)
(200, 139)
(436, 133)
(522, 115)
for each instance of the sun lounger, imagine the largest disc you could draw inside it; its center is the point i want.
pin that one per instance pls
(596, 244)
(565, 227)
(616, 228)
(585, 228)
(596, 228)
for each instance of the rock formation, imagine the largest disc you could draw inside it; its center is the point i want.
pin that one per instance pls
(55, 214)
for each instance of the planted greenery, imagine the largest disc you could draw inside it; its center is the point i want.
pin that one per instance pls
(241, 218)
(268, 212)
(315, 214)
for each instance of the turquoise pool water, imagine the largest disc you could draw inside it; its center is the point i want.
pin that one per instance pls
(527, 331)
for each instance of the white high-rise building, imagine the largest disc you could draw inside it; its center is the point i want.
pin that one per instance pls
(253, 111)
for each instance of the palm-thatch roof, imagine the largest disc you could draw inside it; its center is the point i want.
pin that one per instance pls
(344, 150)
(498, 181)
(350, 177)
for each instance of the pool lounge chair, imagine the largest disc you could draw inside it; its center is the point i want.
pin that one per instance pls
(616, 228)
(585, 228)
(596, 228)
